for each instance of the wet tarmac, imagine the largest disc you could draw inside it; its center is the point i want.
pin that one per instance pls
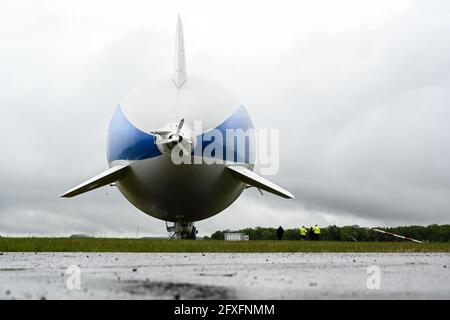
(224, 276)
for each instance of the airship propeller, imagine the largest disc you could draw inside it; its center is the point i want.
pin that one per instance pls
(173, 139)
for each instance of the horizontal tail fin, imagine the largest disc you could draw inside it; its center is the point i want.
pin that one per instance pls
(255, 180)
(111, 175)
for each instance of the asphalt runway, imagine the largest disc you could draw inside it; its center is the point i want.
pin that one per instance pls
(224, 276)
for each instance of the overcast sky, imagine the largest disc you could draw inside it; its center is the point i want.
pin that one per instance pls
(360, 91)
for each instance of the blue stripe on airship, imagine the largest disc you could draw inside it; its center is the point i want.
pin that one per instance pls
(240, 119)
(126, 142)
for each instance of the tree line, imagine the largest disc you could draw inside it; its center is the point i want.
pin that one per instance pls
(431, 233)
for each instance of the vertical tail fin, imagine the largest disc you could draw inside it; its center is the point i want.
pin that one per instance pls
(180, 60)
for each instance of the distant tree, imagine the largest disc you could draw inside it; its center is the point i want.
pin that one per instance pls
(218, 235)
(291, 234)
(349, 233)
(432, 233)
(331, 233)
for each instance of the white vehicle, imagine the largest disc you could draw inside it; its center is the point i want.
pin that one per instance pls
(235, 236)
(155, 124)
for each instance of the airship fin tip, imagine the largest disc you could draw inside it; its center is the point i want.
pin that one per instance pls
(255, 180)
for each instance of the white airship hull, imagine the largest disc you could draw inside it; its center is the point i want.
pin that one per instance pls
(183, 192)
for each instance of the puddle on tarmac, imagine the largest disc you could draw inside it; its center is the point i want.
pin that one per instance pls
(171, 290)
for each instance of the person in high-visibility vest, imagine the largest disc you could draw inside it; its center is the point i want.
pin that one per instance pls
(316, 232)
(302, 232)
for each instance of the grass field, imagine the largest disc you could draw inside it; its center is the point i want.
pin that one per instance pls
(141, 245)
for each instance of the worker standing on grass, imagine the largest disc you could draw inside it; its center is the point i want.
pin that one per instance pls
(316, 232)
(302, 232)
(280, 232)
(311, 234)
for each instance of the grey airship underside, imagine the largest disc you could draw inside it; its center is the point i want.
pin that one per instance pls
(170, 152)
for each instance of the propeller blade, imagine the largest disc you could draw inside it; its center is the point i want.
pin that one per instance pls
(180, 125)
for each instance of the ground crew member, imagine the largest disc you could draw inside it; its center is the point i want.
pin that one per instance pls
(280, 232)
(316, 232)
(302, 232)
(311, 234)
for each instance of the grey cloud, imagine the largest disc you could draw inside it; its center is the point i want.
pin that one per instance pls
(363, 113)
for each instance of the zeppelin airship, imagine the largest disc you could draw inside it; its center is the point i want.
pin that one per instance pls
(180, 148)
